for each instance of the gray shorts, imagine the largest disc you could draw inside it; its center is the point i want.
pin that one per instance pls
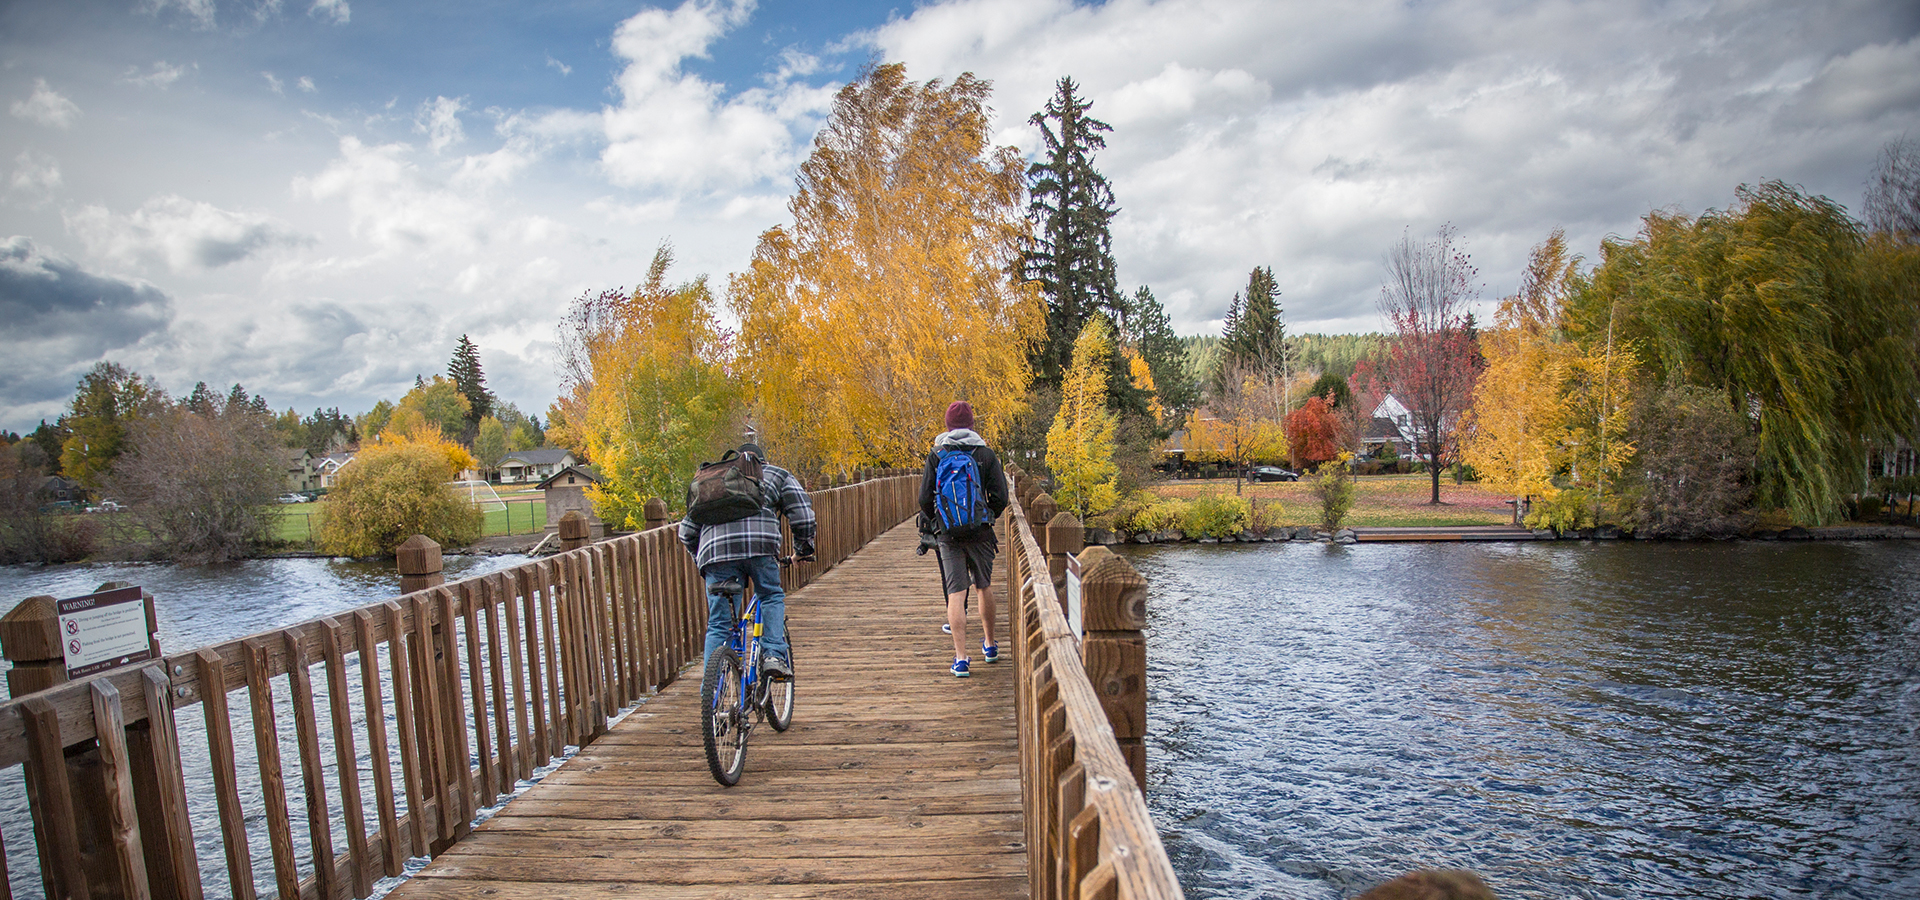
(970, 562)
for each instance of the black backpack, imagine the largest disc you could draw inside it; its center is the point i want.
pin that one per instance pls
(725, 491)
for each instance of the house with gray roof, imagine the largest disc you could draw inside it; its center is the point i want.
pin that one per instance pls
(534, 466)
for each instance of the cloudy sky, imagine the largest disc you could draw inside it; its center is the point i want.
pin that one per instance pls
(316, 198)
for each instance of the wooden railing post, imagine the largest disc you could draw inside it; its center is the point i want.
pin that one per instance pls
(1113, 604)
(1065, 537)
(656, 513)
(418, 559)
(30, 639)
(574, 532)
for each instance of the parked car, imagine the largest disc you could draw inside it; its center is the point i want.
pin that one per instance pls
(106, 506)
(1272, 473)
(293, 498)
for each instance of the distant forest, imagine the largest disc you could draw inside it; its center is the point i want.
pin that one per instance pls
(1314, 354)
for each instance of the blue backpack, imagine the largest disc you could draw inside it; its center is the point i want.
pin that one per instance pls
(957, 495)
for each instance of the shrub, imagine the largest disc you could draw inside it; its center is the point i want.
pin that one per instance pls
(1869, 509)
(392, 492)
(1265, 514)
(1563, 511)
(1163, 515)
(1334, 489)
(1214, 515)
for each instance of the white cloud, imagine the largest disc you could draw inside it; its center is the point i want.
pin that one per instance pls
(677, 131)
(1306, 136)
(440, 121)
(273, 83)
(306, 85)
(564, 69)
(394, 205)
(36, 177)
(335, 11)
(184, 235)
(47, 107)
(200, 11)
(162, 75)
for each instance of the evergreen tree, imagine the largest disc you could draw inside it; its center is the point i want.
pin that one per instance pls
(464, 371)
(1073, 256)
(1254, 334)
(1165, 353)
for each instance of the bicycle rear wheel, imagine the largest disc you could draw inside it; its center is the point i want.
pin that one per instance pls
(779, 705)
(723, 716)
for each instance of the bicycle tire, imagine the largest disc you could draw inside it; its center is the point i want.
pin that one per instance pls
(779, 706)
(723, 716)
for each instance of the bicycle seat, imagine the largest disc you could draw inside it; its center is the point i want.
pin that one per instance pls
(729, 586)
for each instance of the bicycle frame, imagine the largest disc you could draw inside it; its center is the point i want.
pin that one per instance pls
(745, 641)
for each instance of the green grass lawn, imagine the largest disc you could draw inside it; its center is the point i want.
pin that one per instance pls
(1379, 501)
(525, 514)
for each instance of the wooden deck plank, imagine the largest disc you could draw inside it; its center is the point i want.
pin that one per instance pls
(890, 759)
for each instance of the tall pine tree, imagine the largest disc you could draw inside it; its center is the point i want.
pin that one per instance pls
(1255, 336)
(1165, 353)
(464, 371)
(1072, 258)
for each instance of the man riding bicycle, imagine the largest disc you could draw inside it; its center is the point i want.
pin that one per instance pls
(745, 549)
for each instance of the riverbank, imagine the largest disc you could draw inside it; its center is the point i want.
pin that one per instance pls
(1402, 534)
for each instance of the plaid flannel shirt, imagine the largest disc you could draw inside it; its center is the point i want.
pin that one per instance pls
(757, 534)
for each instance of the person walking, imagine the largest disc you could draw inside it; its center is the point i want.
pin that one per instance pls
(744, 549)
(963, 489)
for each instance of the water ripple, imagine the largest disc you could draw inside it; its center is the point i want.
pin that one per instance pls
(1593, 721)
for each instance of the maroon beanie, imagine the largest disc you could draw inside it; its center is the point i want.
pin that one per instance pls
(959, 415)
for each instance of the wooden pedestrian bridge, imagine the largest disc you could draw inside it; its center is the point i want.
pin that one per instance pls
(369, 753)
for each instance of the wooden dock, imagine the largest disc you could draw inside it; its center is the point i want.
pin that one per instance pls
(896, 780)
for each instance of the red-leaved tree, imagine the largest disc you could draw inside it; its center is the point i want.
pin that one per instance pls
(1313, 433)
(1434, 361)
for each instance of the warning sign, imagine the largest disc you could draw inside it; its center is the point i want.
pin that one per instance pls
(104, 631)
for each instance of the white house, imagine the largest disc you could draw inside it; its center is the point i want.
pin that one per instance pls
(534, 466)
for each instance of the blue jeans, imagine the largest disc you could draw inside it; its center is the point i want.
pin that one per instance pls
(764, 572)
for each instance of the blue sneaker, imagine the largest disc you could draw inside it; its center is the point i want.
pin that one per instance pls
(959, 668)
(991, 652)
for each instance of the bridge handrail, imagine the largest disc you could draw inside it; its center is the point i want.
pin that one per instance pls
(586, 633)
(1089, 834)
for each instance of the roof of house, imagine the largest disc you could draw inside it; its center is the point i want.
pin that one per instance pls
(586, 472)
(1381, 428)
(545, 456)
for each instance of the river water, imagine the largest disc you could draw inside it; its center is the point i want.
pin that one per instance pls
(197, 606)
(1590, 720)
(206, 605)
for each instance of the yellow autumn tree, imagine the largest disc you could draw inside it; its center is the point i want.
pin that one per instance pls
(1504, 434)
(1589, 440)
(396, 488)
(646, 390)
(1080, 443)
(891, 293)
(1549, 417)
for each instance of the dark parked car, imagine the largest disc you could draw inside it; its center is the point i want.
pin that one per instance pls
(1272, 473)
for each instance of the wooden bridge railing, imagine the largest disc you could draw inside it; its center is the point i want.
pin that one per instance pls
(462, 690)
(1088, 831)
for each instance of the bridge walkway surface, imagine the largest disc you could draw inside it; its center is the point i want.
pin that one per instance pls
(896, 779)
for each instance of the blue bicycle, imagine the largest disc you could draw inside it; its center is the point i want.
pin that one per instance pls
(737, 694)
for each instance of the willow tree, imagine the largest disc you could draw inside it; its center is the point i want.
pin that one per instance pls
(893, 292)
(1781, 304)
(647, 389)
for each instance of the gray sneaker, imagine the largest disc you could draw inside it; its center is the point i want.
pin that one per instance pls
(778, 668)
